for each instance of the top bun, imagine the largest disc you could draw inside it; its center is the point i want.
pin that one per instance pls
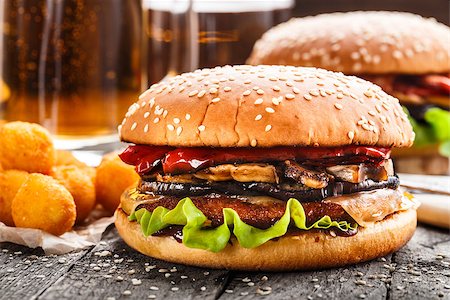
(358, 43)
(266, 106)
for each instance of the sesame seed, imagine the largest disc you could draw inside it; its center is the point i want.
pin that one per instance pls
(268, 127)
(260, 92)
(355, 55)
(371, 122)
(378, 108)
(179, 130)
(146, 128)
(289, 96)
(227, 89)
(170, 127)
(151, 103)
(270, 110)
(133, 127)
(289, 84)
(193, 93)
(276, 88)
(397, 54)
(176, 120)
(275, 101)
(247, 92)
(201, 128)
(273, 78)
(248, 81)
(372, 113)
(213, 91)
(201, 93)
(338, 106)
(135, 281)
(126, 293)
(314, 93)
(366, 126)
(253, 143)
(307, 97)
(187, 117)
(351, 135)
(156, 120)
(146, 115)
(258, 101)
(215, 100)
(368, 94)
(339, 96)
(165, 113)
(258, 117)
(322, 93)
(296, 90)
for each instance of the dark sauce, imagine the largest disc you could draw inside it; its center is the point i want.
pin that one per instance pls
(176, 231)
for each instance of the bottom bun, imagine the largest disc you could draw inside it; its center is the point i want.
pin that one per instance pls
(299, 251)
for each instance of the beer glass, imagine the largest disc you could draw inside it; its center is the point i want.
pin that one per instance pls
(73, 66)
(183, 35)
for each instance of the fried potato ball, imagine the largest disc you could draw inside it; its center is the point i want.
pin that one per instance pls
(27, 147)
(79, 183)
(43, 203)
(113, 178)
(10, 182)
(66, 158)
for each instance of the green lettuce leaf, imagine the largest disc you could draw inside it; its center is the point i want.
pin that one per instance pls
(436, 130)
(197, 235)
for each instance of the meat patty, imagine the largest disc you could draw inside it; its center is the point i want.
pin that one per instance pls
(260, 215)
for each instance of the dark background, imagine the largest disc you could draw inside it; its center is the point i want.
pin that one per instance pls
(439, 9)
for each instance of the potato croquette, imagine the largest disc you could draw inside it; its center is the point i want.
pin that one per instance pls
(10, 182)
(79, 183)
(27, 147)
(43, 203)
(66, 158)
(113, 178)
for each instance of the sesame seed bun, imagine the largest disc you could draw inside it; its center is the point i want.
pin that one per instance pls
(358, 43)
(295, 251)
(266, 106)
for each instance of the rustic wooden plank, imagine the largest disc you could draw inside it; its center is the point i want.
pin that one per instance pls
(26, 273)
(354, 282)
(113, 270)
(422, 269)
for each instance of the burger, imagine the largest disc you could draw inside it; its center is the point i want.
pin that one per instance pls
(407, 55)
(265, 168)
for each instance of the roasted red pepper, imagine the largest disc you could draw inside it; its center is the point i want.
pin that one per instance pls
(185, 160)
(144, 157)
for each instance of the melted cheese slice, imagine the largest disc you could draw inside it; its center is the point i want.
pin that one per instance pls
(366, 208)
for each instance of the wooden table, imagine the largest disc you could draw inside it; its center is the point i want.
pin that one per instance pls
(111, 270)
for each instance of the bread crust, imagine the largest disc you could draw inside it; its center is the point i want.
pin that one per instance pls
(302, 251)
(373, 42)
(266, 106)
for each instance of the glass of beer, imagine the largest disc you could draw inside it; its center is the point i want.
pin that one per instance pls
(73, 66)
(183, 35)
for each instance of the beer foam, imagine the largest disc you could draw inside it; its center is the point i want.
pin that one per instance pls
(214, 6)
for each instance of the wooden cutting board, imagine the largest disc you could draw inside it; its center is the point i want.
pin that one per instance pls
(434, 196)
